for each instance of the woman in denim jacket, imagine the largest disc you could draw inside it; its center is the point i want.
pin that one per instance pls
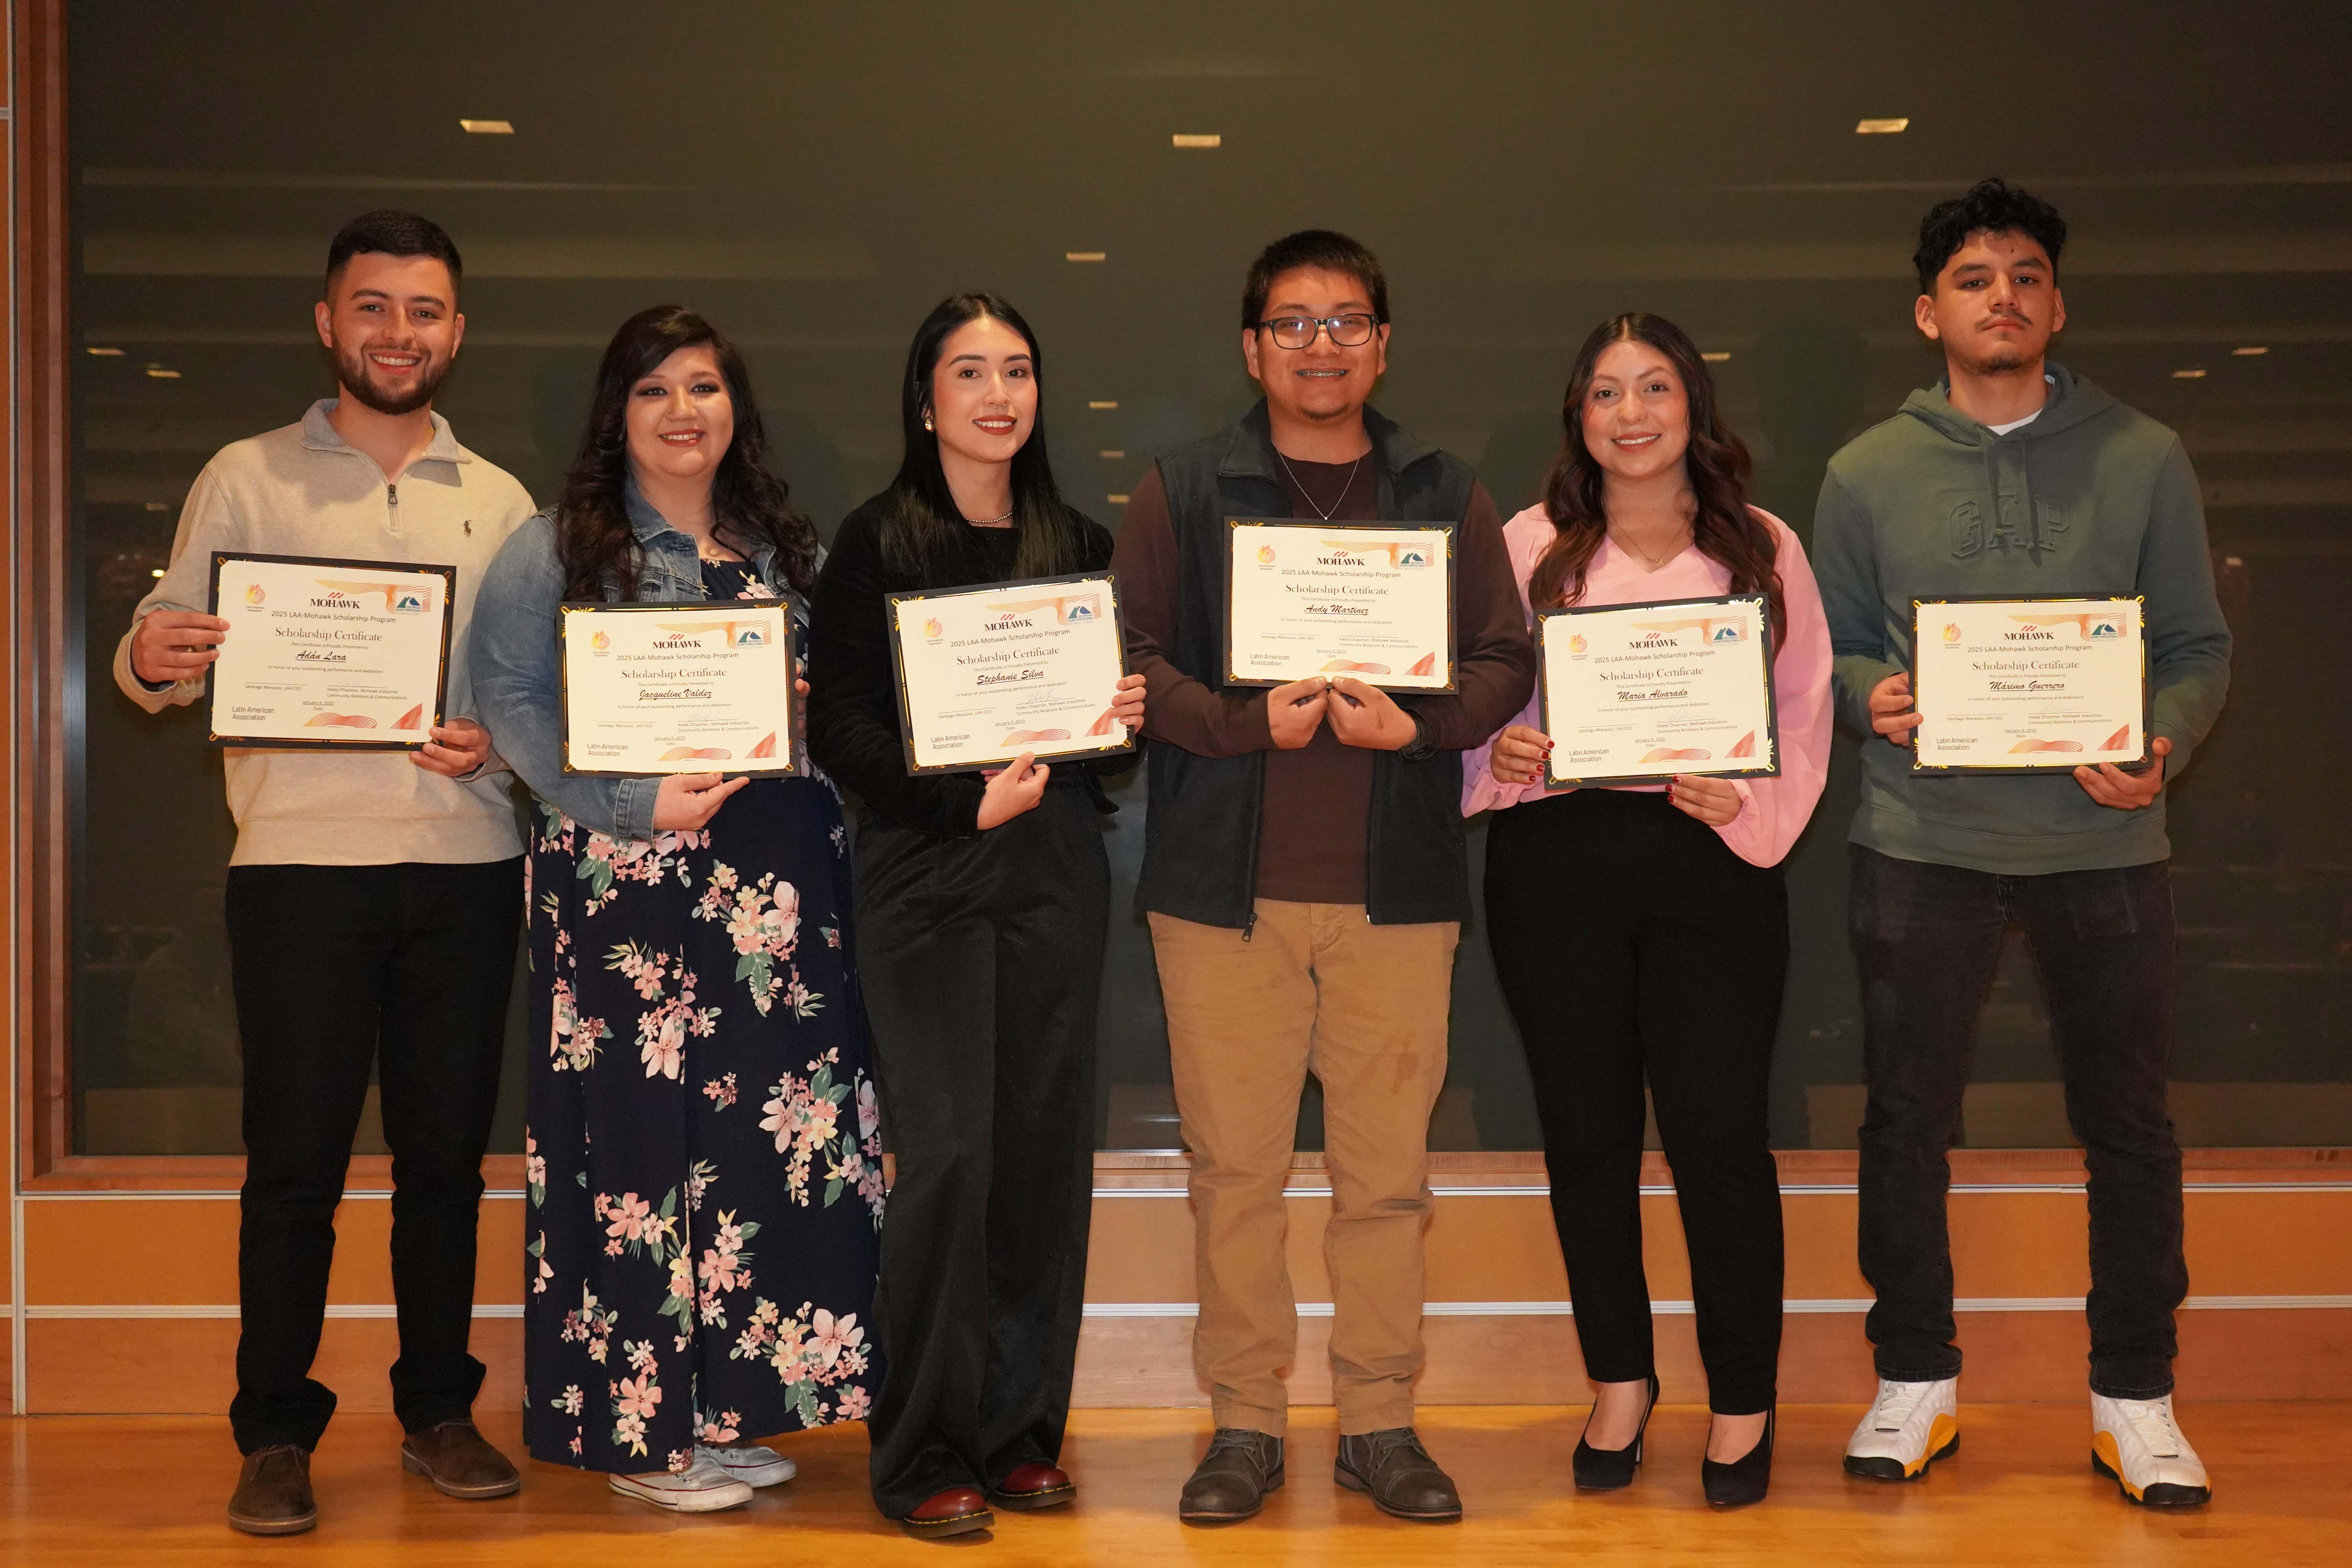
(700, 1271)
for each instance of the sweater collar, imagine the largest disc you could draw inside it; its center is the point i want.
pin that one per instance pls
(1251, 454)
(319, 435)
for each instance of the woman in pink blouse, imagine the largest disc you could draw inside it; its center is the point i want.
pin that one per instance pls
(1642, 932)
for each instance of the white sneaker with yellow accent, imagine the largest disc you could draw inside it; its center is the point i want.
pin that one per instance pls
(2137, 1442)
(1909, 1427)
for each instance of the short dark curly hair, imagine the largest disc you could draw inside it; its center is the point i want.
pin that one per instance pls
(1992, 205)
(1318, 247)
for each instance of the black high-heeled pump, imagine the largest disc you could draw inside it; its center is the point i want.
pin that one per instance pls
(1609, 1469)
(1746, 1478)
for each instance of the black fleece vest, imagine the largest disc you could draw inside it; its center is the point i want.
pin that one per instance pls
(1200, 834)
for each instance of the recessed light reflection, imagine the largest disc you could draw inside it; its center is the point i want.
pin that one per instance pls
(1181, 139)
(104, 354)
(1086, 256)
(2247, 352)
(1116, 499)
(159, 373)
(487, 127)
(1113, 453)
(1103, 403)
(1881, 127)
(1717, 357)
(2187, 375)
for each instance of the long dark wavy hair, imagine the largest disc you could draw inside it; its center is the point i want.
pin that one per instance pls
(750, 505)
(920, 520)
(1716, 461)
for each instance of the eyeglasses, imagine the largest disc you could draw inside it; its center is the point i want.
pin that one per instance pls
(1353, 331)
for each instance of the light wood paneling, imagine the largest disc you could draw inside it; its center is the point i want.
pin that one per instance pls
(188, 1365)
(2021, 1492)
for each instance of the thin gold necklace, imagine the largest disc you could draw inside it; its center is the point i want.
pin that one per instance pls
(1653, 561)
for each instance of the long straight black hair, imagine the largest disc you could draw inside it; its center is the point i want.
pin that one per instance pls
(920, 520)
(749, 505)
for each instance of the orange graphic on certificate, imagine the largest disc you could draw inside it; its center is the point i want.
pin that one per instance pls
(1069, 609)
(408, 598)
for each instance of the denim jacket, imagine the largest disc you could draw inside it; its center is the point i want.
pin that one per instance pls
(517, 662)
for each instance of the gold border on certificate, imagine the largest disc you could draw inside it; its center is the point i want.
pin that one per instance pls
(1558, 633)
(1440, 545)
(342, 732)
(774, 753)
(2060, 753)
(1092, 596)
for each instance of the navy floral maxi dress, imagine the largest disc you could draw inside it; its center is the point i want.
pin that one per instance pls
(703, 1158)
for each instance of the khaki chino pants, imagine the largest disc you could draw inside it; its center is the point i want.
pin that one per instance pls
(1314, 987)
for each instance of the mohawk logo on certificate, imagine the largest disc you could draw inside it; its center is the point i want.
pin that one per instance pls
(986, 674)
(328, 653)
(1638, 693)
(2028, 686)
(1370, 601)
(698, 688)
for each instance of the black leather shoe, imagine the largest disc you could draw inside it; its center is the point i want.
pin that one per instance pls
(1233, 1477)
(1397, 1471)
(273, 1493)
(1746, 1478)
(1611, 1470)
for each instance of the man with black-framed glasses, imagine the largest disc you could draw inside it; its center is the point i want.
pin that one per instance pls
(1306, 879)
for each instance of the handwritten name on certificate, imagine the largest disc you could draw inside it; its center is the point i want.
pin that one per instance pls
(1370, 601)
(986, 674)
(328, 653)
(1635, 693)
(2024, 685)
(700, 688)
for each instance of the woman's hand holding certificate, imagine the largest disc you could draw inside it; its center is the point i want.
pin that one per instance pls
(992, 674)
(1643, 693)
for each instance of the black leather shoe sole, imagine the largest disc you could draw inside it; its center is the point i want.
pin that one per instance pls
(416, 1467)
(1197, 1515)
(1355, 1483)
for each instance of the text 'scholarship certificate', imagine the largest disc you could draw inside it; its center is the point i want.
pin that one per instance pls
(1370, 601)
(2026, 685)
(700, 687)
(1638, 693)
(989, 673)
(328, 653)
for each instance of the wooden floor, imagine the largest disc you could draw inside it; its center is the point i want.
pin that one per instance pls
(149, 1490)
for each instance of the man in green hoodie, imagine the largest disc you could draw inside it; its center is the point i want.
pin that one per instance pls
(2012, 479)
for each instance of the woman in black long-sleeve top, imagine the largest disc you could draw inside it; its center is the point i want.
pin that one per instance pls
(981, 907)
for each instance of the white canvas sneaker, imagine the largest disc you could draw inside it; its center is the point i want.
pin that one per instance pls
(1910, 1426)
(749, 1463)
(700, 1487)
(2137, 1442)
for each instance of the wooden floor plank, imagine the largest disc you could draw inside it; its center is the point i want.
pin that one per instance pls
(151, 1490)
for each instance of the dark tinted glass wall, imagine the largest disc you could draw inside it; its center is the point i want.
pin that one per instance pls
(814, 177)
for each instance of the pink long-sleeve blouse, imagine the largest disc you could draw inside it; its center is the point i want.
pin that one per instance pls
(1772, 812)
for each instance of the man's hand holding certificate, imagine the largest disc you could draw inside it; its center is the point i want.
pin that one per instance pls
(990, 675)
(2028, 686)
(1641, 693)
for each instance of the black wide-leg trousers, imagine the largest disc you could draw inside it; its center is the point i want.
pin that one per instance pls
(1633, 946)
(337, 970)
(981, 960)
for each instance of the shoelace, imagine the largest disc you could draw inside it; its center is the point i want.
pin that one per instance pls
(2152, 1421)
(1897, 1401)
(1232, 1441)
(1387, 1445)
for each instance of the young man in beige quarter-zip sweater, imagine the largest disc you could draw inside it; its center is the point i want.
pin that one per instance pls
(373, 897)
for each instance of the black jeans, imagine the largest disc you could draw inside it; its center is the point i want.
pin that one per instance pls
(1631, 943)
(981, 960)
(1927, 937)
(338, 968)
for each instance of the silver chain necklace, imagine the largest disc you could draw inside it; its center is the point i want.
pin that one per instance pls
(1320, 512)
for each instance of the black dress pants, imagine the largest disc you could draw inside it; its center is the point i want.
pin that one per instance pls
(981, 960)
(336, 969)
(1927, 937)
(1631, 943)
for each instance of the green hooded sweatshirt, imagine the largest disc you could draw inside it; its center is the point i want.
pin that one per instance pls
(2092, 498)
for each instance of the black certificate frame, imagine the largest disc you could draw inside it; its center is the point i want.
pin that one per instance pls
(1452, 532)
(1768, 648)
(786, 764)
(2053, 770)
(448, 575)
(1125, 747)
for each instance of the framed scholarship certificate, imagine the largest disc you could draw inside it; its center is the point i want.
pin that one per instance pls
(700, 687)
(1374, 601)
(2028, 686)
(326, 653)
(988, 673)
(1638, 693)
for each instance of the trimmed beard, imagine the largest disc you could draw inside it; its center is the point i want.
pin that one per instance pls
(358, 378)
